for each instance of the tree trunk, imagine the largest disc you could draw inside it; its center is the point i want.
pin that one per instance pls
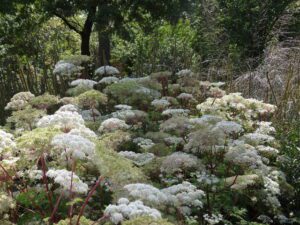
(103, 49)
(85, 43)
(87, 31)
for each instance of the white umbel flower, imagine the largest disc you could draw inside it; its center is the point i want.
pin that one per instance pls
(113, 124)
(19, 101)
(147, 193)
(68, 108)
(126, 210)
(109, 80)
(64, 178)
(6, 141)
(74, 146)
(107, 70)
(84, 83)
(176, 112)
(123, 107)
(62, 119)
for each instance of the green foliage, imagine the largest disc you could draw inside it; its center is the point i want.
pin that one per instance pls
(147, 220)
(168, 47)
(38, 139)
(83, 221)
(290, 159)
(119, 170)
(249, 22)
(130, 93)
(26, 118)
(91, 99)
(44, 101)
(78, 90)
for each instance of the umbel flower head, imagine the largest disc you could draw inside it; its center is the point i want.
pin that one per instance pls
(6, 141)
(83, 82)
(74, 146)
(62, 119)
(19, 101)
(106, 70)
(65, 178)
(125, 210)
(113, 124)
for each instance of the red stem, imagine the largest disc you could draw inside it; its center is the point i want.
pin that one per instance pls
(46, 181)
(88, 198)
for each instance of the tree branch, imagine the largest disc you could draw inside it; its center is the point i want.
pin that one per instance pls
(68, 23)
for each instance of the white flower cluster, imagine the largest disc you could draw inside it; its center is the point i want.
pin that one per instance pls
(109, 80)
(83, 83)
(147, 193)
(229, 127)
(265, 128)
(107, 70)
(216, 92)
(63, 68)
(213, 218)
(19, 101)
(206, 178)
(6, 141)
(176, 112)
(183, 196)
(160, 103)
(185, 96)
(63, 120)
(256, 139)
(6, 203)
(178, 162)
(185, 72)
(113, 124)
(139, 159)
(74, 146)
(65, 178)
(84, 132)
(123, 107)
(173, 140)
(129, 114)
(143, 143)
(68, 108)
(229, 105)
(125, 210)
(267, 151)
(206, 120)
(244, 155)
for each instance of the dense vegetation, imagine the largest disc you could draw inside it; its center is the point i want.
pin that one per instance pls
(149, 112)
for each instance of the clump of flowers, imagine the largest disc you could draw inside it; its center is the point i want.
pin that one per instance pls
(6, 141)
(160, 104)
(175, 112)
(179, 163)
(19, 101)
(113, 124)
(74, 147)
(126, 210)
(109, 80)
(143, 143)
(106, 71)
(64, 120)
(68, 181)
(83, 82)
(140, 159)
(66, 69)
(7, 203)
